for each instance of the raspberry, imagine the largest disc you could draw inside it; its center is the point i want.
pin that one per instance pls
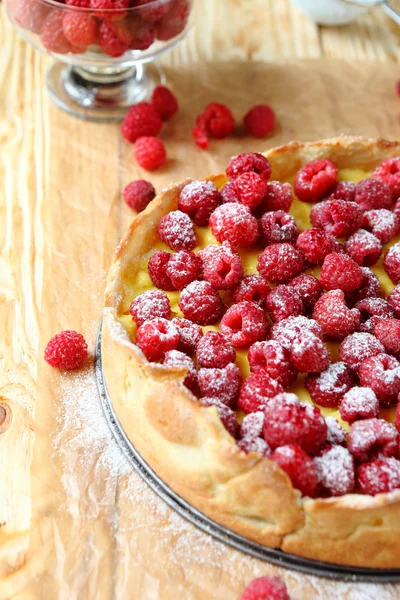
(173, 23)
(110, 10)
(199, 133)
(250, 189)
(252, 425)
(364, 248)
(199, 199)
(250, 444)
(157, 267)
(381, 373)
(394, 299)
(373, 438)
(314, 180)
(138, 194)
(226, 415)
(259, 120)
(369, 325)
(391, 263)
(374, 307)
(243, 324)
(287, 421)
(31, 15)
(309, 289)
(265, 588)
(176, 230)
(249, 162)
(175, 358)
(278, 196)
(223, 384)
(228, 193)
(150, 305)
(280, 262)
(299, 466)
(209, 251)
(328, 388)
(200, 303)
(52, 33)
(152, 14)
(156, 337)
(383, 223)
(150, 153)
(287, 331)
(115, 40)
(340, 272)
(336, 435)
(337, 217)
(357, 347)
(78, 3)
(272, 359)
(396, 209)
(66, 350)
(343, 190)
(189, 335)
(389, 172)
(308, 353)
(214, 351)
(380, 476)
(142, 33)
(223, 269)
(315, 244)
(276, 227)
(335, 470)
(183, 268)
(283, 302)
(397, 418)
(141, 120)
(256, 391)
(373, 193)
(369, 287)
(388, 332)
(251, 288)
(216, 120)
(336, 320)
(80, 30)
(235, 224)
(359, 403)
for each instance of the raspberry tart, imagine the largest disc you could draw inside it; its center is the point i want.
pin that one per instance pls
(251, 346)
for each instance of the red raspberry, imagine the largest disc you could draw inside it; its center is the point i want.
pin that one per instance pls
(271, 358)
(359, 403)
(156, 337)
(252, 425)
(280, 262)
(138, 194)
(394, 299)
(328, 388)
(200, 303)
(243, 324)
(141, 120)
(251, 288)
(396, 209)
(374, 307)
(299, 466)
(308, 353)
(373, 193)
(80, 30)
(176, 230)
(250, 444)
(228, 193)
(223, 269)
(287, 331)
(150, 305)
(380, 476)
(175, 358)
(199, 133)
(397, 421)
(373, 438)
(52, 33)
(183, 268)
(219, 121)
(173, 23)
(142, 33)
(278, 196)
(382, 374)
(226, 415)
(163, 100)
(115, 40)
(214, 351)
(315, 244)
(309, 289)
(249, 162)
(284, 302)
(335, 469)
(369, 287)
(257, 390)
(31, 15)
(389, 172)
(235, 224)
(388, 332)
(199, 199)
(276, 227)
(265, 588)
(150, 153)
(66, 350)
(336, 320)
(391, 263)
(209, 251)
(223, 384)
(259, 120)
(383, 223)
(340, 272)
(153, 13)
(189, 335)
(336, 435)
(110, 10)
(357, 347)
(369, 325)
(250, 189)
(314, 180)
(78, 3)
(337, 217)
(158, 270)
(364, 248)
(288, 421)
(343, 190)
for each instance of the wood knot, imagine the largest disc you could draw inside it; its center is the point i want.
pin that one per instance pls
(5, 416)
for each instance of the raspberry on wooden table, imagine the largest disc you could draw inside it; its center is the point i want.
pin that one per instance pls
(243, 324)
(308, 353)
(257, 390)
(391, 263)
(234, 223)
(250, 188)
(176, 230)
(394, 300)
(309, 289)
(265, 588)
(373, 438)
(335, 318)
(299, 466)
(357, 347)
(343, 190)
(364, 248)
(175, 358)
(328, 388)
(337, 217)
(276, 227)
(379, 476)
(372, 194)
(223, 383)
(336, 435)
(383, 223)
(138, 194)
(251, 288)
(259, 120)
(314, 180)
(287, 331)
(335, 471)
(141, 120)
(339, 271)
(369, 287)
(200, 303)
(283, 302)
(226, 415)
(183, 268)
(149, 305)
(222, 268)
(189, 335)
(52, 33)
(315, 244)
(381, 373)
(163, 100)
(219, 120)
(359, 403)
(278, 197)
(157, 267)
(79, 29)
(174, 21)
(150, 153)
(214, 351)
(156, 337)
(388, 332)
(67, 350)
(273, 359)
(199, 133)
(389, 172)
(199, 199)
(115, 40)
(280, 262)
(249, 162)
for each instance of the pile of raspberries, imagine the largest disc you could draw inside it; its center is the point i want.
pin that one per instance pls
(284, 314)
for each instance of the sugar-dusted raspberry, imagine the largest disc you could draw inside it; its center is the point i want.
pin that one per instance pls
(200, 303)
(369, 288)
(372, 194)
(249, 162)
(156, 337)
(396, 209)
(226, 415)
(251, 444)
(265, 588)
(343, 190)
(223, 384)
(276, 227)
(52, 33)
(328, 388)
(388, 332)
(337, 217)
(209, 251)
(259, 120)
(175, 358)
(383, 223)
(252, 425)
(359, 403)
(339, 271)
(314, 180)
(183, 268)
(283, 302)
(234, 223)
(150, 305)
(138, 194)
(163, 100)
(177, 231)
(31, 15)
(391, 263)
(335, 470)
(364, 248)
(278, 196)
(251, 288)
(157, 267)
(219, 120)
(67, 350)
(335, 318)
(309, 289)
(357, 347)
(214, 351)
(308, 353)
(150, 153)
(381, 373)
(299, 466)
(79, 29)
(141, 120)
(250, 189)
(114, 40)
(374, 307)
(336, 435)
(223, 269)
(379, 476)
(287, 331)
(199, 199)
(273, 359)
(229, 193)
(394, 300)
(189, 335)
(257, 390)
(174, 21)
(243, 324)
(110, 10)
(389, 172)
(373, 438)
(315, 244)
(369, 325)
(288, 421)
(280, 262)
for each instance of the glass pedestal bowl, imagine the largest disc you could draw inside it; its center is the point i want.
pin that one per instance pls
(101, 48)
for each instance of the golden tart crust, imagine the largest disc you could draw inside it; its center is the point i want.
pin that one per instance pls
(188, 447)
